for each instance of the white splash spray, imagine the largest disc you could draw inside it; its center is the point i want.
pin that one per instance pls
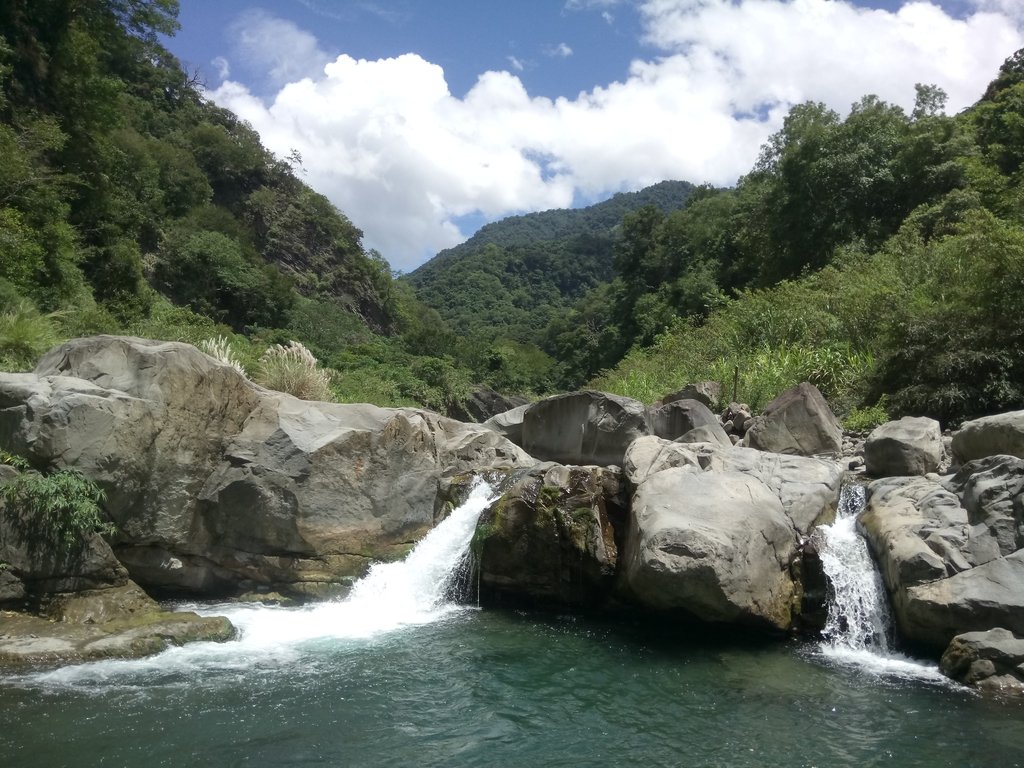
(415, 591)
(859, 627)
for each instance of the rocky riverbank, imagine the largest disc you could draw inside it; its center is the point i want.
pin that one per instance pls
(219, 488)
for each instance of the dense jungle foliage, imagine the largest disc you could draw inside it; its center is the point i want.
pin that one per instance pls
(880, 257)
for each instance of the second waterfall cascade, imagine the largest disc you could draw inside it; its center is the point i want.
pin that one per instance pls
(859, 630)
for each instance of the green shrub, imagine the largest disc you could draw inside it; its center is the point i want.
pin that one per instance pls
(869, 417)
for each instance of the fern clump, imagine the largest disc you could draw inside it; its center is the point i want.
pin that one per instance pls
(61, 508)
(295, 370)
(25, 334)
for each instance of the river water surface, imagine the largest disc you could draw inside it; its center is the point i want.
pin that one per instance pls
(397, 676)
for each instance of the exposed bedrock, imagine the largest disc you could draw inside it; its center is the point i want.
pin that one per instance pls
(699, 530)
(950, 549)
(217, 485)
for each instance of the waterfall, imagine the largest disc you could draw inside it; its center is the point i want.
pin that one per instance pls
(859, 629)
(415, 591)
(425, 581)
(858, 608)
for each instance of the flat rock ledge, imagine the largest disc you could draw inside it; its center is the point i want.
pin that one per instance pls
(31, 641)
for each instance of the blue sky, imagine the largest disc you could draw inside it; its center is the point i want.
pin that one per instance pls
(423, 120)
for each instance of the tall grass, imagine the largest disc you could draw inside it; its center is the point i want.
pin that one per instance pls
(294, 369)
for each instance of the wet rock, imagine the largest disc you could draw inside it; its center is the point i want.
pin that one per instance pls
(991, 660)
(33, 641)
(950, 549)
(551, 537)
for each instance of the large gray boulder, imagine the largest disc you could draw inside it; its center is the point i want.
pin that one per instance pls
(718, 532)
(990, 436)
(950, 551)
(551, 537)
(707, 392)
(717, 545)
(807, 488)
(509, 424)
(217, 485)
(484, 403)
(583, 428)
(992, 660)
(798, 422)
(910, 446)
(681, 417)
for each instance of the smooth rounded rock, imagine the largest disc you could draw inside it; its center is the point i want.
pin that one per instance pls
(909, 446)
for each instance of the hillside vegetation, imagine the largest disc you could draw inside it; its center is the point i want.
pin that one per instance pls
(880, 256)
(502, 289)
(877, 255)
(131, 204)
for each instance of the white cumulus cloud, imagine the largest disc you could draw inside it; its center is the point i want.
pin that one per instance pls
(389, 144)
(277, 48)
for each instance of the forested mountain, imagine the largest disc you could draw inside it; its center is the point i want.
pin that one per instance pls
(504, 287)
(512, 275)
(558, 224)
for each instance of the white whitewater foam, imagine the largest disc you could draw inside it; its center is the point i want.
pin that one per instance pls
(859, 625)
(858, 612)
(414, 591)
